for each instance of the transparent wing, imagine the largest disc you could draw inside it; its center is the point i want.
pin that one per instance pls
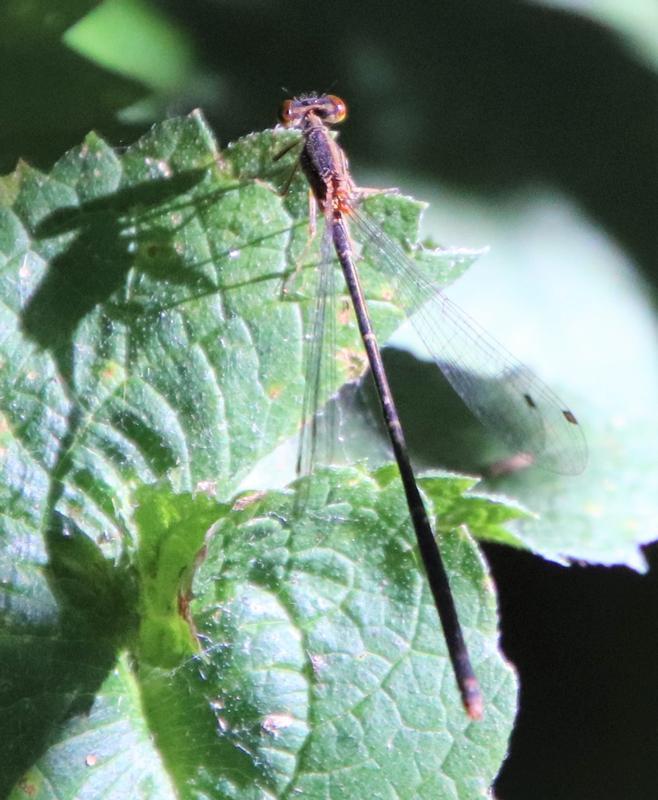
(504, 394)
(319, 426)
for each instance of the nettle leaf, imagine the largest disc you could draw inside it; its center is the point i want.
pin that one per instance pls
(152, 306)
(337, 677)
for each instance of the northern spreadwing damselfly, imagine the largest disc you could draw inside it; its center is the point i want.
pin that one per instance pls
(517, 406)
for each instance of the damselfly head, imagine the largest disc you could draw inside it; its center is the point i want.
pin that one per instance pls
(328, 107)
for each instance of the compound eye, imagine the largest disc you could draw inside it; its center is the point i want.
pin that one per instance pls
(286, 112)
(336, 109)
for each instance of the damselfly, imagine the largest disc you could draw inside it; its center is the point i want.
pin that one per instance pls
(516, 405)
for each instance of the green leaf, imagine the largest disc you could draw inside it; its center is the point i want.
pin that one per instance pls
(324, 655)
(114, 33)
(172, 529)
(486, 515)
(321, 666)
(149, 359)
(108, 751)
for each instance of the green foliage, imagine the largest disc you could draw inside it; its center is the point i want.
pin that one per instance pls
(159, 638)
(156, 631)
(149, 360)
(134, 38)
